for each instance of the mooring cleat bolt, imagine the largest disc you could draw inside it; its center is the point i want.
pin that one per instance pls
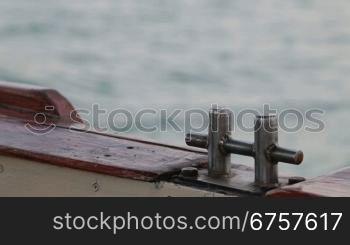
(189, 172)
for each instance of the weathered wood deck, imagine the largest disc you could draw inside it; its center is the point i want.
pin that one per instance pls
(69, 147)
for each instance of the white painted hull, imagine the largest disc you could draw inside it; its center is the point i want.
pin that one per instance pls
(24, 178)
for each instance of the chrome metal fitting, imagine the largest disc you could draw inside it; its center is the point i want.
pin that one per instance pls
(265, 149)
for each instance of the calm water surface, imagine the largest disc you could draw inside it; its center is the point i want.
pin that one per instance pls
(169, 54)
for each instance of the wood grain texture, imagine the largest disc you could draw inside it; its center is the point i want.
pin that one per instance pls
(60, 140)
(26, 101)
(333, 185)
(94, 152)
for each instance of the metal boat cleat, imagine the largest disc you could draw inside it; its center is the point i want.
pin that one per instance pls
(265, 150)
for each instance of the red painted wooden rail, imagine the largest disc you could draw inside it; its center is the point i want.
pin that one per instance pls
(332, 185)
(26, 101)
(67, 146)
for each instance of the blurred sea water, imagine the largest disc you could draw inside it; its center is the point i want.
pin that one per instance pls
(186, 54)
